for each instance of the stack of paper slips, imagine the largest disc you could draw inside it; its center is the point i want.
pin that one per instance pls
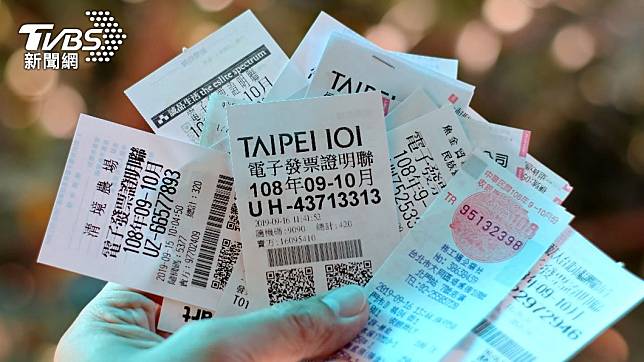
(272, 179)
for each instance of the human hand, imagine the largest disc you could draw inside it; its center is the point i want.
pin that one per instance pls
(119, 324)
(609, 346)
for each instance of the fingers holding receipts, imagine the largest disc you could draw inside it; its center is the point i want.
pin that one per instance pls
(118, 324)
(289, 331)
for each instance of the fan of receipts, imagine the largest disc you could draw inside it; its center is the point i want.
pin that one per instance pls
(272, 179)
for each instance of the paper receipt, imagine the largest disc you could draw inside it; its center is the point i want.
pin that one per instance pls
(234, 301)
(145, 211)
(571, 295)
(239, 60)
(425, 153)
(297, 74)
(312, 176)
(544, 180)
(507, 146)
(349, 67)
(482, 234)
(415, 105)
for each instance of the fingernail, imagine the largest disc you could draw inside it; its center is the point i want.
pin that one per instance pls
(346, 301)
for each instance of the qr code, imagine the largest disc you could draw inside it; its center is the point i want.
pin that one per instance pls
(340, 274)
(228, 255)
(233, 217)
(290, 284)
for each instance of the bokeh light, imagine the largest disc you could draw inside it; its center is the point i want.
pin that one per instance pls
(12, 110)
(628, 87)
(58, 113)
(213, 5)
(507, 15)
(537, 3)
(573, 47)
(477, 47)
(415, 16)
(388, 36)
(28, 83)
(5, 340)
(574, 6)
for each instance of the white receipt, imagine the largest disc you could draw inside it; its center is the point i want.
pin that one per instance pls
(472, 245)
(174, 314)
(216, 120)
(446, 66)
(223, 145)
(546, 181)
(239, 60)
(570, 296)
(234, 301)
(424, 153)
(351, 67)
(415, 105)
(300, 68)
(215, 126)
(505, 145)
(470, 113)
(536, 174)
(145, 211)
(312, 175)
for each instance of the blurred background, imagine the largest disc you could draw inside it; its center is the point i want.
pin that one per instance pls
(570, 70)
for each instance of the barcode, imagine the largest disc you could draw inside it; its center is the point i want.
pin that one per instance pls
(299, 254)
(230, 250)
(502, 343)
(208, 247)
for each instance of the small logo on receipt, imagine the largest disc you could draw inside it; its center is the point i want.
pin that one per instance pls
(49, 48)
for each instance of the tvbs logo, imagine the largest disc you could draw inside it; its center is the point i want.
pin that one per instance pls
(47, 48)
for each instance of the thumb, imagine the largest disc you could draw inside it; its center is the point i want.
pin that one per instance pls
(289, 331)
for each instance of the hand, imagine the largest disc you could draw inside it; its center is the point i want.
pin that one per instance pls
(119, 324)
(610, 346)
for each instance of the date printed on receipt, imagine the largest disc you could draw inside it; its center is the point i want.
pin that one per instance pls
(312, 176)
(473, 244)
(145, 211)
